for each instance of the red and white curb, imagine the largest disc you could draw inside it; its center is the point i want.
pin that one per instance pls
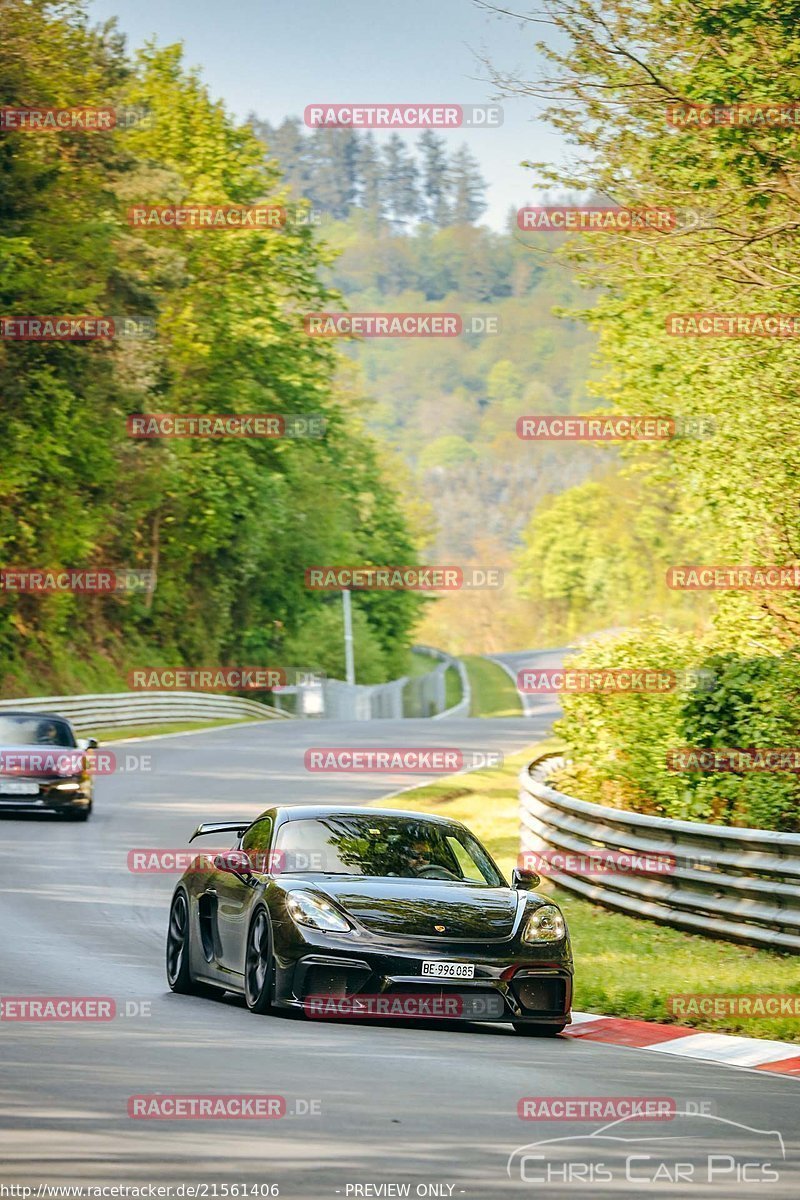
(759, 1054)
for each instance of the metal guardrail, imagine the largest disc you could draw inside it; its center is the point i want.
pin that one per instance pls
(461, 709)
(740, 885)
(362, 701)
(115, 710)
(409, 696)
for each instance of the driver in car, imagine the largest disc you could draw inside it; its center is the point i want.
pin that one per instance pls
(47, 734)
(419, 863)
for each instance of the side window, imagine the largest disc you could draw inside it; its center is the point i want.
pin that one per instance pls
(469, 868)
(257, 841)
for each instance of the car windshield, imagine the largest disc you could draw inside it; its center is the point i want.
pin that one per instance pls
(26, 730)
(391, 847)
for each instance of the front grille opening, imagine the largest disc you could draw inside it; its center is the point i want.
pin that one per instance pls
(337, 982)
(540, 994)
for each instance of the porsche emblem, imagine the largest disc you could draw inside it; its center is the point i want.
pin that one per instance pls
(439, 928)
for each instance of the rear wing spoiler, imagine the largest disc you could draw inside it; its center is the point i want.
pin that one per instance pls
(220, 827)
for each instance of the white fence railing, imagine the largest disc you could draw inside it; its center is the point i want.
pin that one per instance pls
(409, 696)
(742, 885)
(421, 695)
(362, 702)
(115, 710)
(461, 709)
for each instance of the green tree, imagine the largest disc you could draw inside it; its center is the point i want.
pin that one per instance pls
(400, 181)
(468, 188)
(229, 525)
(435, 182)
(371, 191)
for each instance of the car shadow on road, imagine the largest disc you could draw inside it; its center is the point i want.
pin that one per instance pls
(298, 1016)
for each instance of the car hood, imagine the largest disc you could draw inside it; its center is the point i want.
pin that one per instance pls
(40, 762)
(413, 907)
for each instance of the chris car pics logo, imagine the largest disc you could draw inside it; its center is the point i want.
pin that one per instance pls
(691, 1151)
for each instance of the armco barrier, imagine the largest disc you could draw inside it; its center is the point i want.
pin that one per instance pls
(462, 708)
(741, 885)
(114, 710)
(361, 701)
(410, 696)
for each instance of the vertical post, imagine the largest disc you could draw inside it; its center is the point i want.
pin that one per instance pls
(350, 670)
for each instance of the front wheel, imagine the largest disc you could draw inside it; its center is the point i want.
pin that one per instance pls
(79, 814)
(179, 973)
(258, 964)
(531, 1029)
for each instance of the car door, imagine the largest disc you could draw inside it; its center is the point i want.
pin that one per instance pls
(235, 896)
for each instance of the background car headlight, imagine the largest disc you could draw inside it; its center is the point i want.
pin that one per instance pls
(306, 909)
(545, 924)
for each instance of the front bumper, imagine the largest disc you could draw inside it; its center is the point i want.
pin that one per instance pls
(511, 983)
(43, 795)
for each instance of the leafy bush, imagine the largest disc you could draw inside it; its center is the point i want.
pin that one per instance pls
(619, 743)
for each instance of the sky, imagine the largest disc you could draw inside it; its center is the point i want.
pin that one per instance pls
(276, 56)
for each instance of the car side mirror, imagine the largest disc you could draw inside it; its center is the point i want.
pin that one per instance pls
(87, 743)
(524, 881)
(235, 862)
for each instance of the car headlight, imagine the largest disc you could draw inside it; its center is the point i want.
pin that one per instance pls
(545, 924)
(305, 909)
(67, 787)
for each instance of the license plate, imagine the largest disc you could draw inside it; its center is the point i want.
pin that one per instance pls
(19, 789)
(448, 970)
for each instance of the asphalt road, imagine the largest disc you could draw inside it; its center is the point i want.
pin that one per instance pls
(543, 707)
(433, 1108)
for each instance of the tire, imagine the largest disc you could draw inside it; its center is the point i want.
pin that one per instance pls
(258, 964)
(531, 1029)
(179, 974)
(79, 814)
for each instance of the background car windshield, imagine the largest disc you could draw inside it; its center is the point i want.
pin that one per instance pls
(386, 846)
(34, 731)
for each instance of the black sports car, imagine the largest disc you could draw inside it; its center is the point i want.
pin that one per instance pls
(348, 911)
(43, 766)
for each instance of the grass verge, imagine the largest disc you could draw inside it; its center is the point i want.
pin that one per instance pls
(623, 966)
(493, 692)
(118, 734)
(452, 688)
